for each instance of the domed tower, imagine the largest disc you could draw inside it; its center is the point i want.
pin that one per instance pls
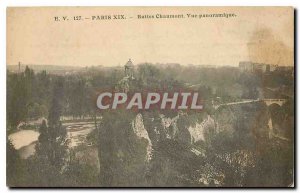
(129, 69)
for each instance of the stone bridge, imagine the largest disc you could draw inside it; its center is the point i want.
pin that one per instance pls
(279, 102)
(268, 102)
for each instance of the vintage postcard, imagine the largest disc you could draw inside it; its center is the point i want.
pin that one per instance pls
(150, 97)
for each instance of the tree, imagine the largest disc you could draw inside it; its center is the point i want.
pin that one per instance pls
(52, 146)
(15, 169)
(79, 99)
(16, 100)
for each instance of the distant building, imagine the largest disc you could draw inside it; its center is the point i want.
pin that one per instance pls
(287, 69)
(257, 67)
(273, 67)
(246, 66)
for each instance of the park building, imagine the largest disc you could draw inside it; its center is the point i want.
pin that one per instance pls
(129, 69)
(125, 83)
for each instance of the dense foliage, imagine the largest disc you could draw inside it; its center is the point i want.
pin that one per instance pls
(237, 150)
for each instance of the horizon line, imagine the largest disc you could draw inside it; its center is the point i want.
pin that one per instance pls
(141, 63)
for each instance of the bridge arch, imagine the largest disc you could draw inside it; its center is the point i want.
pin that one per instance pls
(279, 102)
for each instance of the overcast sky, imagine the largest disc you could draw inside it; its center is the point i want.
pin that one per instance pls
(257, 34)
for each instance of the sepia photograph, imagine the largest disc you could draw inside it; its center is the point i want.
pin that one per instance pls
(158, 97)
